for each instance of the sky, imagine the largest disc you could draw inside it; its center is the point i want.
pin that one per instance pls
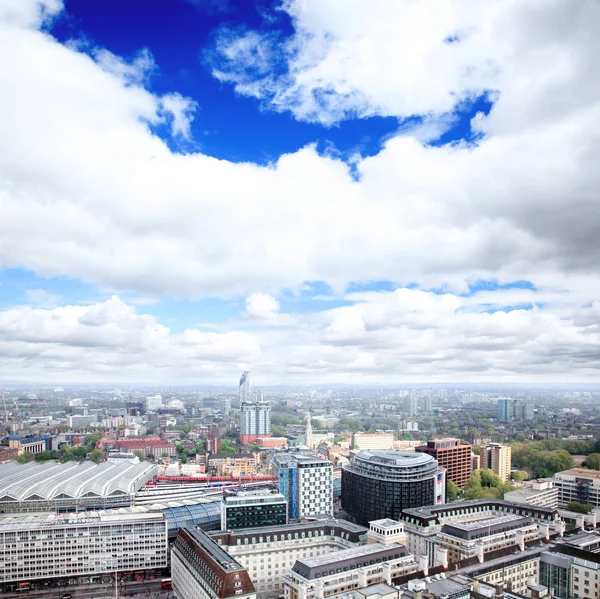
(318, 191)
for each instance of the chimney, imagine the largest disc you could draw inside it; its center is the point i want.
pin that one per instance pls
(520, 538)
(479, 551)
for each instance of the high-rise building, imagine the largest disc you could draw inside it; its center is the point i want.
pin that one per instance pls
(244, 390)
(505, 409)
(255, 421)
(410, 404)
(380, 484)
(306, 481)
(497, 457)
(153, 402)
(308, 436)
(452, 455)
(249, 508)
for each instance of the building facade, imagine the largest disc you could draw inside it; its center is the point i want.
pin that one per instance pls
(306, 481)
(497, 458)
(542, 492)
(380, 484)
(345, 571)
(373, 440)
(255, 421)
(249, 508)
(200, 569)
(452, 455)
(579, 485)
(268, 553)
(45, 546)
(244, 388)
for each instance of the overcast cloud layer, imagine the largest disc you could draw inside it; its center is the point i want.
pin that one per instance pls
(87, 191)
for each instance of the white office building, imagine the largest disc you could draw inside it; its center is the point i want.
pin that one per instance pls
(43, 546)
(542, 492)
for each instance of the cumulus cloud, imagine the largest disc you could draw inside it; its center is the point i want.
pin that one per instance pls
(261, 305)
(352, 58)
(87, 190)
(112, 341)
(407, 335)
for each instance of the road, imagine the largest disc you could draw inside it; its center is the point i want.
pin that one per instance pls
(141, 590)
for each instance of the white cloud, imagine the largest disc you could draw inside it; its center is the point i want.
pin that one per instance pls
(261, 305)
(402, 336)
(393, 57)
(87, 191)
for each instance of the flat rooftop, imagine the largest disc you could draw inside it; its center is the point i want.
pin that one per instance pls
(580, 473)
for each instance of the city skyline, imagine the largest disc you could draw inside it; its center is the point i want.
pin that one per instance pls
(386, 195)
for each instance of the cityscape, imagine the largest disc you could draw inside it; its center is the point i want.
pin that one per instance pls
(297, 493)
(299, 299)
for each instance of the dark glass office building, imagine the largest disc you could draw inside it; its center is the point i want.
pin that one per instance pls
(380, 484)
(252, 508)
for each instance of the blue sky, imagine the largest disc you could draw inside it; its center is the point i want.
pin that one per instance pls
(336, 191)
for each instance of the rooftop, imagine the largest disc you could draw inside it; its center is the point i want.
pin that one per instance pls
(72, 480)
(395, 459)
(221, 557)
(580, 473)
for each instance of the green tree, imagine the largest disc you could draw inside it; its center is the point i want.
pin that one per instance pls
(226, 447)
(140, 454)
(520, 475)
(184, 457)
(452, 491)
(592, 461)
(580, 508)
(44, 456)
(25, 457)
(96, 455)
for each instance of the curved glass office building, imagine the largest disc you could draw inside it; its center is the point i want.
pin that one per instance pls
(380, 484)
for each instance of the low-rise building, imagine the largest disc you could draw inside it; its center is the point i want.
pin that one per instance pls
(31, 444)
(380, 440)
(542, 492)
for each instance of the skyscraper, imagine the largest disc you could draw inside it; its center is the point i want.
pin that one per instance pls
(255, 421)
(244, 391)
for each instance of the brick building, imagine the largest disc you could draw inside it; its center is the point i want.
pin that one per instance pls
(452, 455)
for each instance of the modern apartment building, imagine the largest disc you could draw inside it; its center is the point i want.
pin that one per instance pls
(200, 569)
(248, 508)
(578, 485)
(452, 455)
(255, 421)
(269, 552)
(498, 458)
(44, 546)
(307, 483)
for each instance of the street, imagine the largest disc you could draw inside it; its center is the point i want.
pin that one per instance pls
(140, 590)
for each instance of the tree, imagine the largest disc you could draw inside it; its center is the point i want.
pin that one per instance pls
(520, 476)
(592, 461)
(226, 447)
(452, 491)
(25, 457)
(140, 454)
(44, 456)
(580, 508)
(96, 455)
(184, 457)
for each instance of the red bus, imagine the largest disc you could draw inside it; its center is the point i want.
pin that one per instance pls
(166, 584)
